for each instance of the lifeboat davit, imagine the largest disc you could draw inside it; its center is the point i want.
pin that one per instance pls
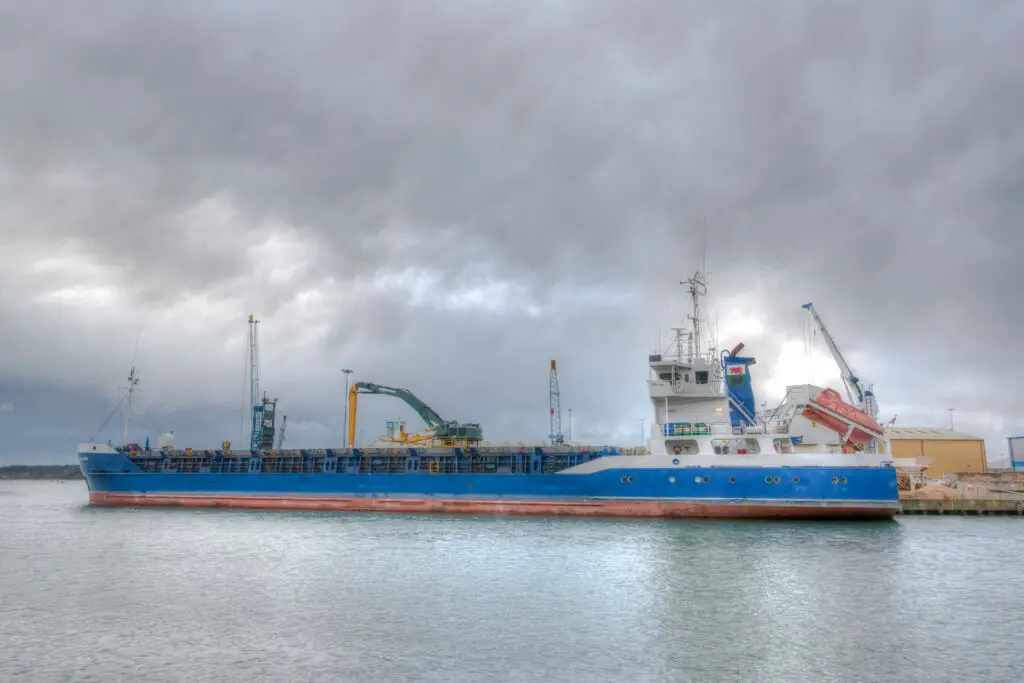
(854, 426)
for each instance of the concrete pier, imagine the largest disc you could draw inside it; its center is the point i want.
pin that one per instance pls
(962, 506)
(988, 493)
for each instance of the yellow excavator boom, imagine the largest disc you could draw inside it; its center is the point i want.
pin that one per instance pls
(353, 397)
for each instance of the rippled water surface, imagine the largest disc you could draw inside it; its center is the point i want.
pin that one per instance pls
(91, 594)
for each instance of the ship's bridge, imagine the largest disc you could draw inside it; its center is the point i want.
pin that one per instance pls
(693, 376)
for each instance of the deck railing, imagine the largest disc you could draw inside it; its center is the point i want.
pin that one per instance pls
(681, 429)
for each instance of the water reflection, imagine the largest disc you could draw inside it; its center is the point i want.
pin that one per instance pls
(228, 595)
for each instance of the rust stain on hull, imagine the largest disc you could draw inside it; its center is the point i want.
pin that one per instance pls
(665, 510)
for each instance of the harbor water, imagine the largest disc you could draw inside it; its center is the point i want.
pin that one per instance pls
(91, 594)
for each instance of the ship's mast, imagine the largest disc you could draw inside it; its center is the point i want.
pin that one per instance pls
(698, 288)
(133, 379)
(681, 336)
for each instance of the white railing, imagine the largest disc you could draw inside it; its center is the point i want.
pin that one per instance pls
(659, 388)
(691, 429)
(671, 356)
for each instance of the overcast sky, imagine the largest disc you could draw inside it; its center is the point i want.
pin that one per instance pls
(444, 196)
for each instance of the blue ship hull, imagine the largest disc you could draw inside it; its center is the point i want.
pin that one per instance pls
(533, 483)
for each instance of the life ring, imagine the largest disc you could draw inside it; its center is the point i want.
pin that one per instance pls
(677, 449)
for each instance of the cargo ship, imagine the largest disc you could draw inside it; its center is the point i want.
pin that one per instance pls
(708, 456)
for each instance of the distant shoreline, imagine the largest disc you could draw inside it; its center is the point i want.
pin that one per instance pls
(40, 472)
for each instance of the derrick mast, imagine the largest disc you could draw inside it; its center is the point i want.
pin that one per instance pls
(262, 409)
(554, 401)
(255, 406)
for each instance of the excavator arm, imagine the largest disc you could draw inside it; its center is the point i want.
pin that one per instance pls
(428, 414)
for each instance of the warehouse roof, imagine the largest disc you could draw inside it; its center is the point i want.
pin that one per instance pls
(930, 433)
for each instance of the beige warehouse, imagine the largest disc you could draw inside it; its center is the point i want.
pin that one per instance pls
(950, 451)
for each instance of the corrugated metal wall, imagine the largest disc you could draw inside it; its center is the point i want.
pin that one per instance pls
(1016, 452)
(947, 457)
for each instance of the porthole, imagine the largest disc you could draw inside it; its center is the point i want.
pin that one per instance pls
(624, 480)
(842, 480)
(796, 480)
(629, 480)
(732, 480)
(834, 480)
(671, 480)
(705, 480)
(777, 480)
(696, 479)
(767, 480)
(675, 461)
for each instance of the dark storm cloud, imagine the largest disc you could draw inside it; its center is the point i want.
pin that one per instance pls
(867, 158)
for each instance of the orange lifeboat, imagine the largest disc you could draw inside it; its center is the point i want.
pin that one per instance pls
(854, 426)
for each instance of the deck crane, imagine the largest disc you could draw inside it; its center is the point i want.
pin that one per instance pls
(863, 398)
(280, 434)
(261, 409)
(439, 430)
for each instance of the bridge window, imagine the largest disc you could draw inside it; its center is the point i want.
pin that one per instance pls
(702, 377)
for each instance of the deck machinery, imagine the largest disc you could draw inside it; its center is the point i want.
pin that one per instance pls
(856, 422)
(439, 431)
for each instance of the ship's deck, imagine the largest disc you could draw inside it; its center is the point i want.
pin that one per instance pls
(485, 460)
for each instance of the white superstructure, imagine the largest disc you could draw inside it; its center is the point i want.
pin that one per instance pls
(691, 408)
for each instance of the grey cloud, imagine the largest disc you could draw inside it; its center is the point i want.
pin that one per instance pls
(865, 158)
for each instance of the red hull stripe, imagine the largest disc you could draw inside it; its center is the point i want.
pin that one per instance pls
(440, 505)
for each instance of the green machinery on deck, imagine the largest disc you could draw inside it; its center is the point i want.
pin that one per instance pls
(440, 432)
